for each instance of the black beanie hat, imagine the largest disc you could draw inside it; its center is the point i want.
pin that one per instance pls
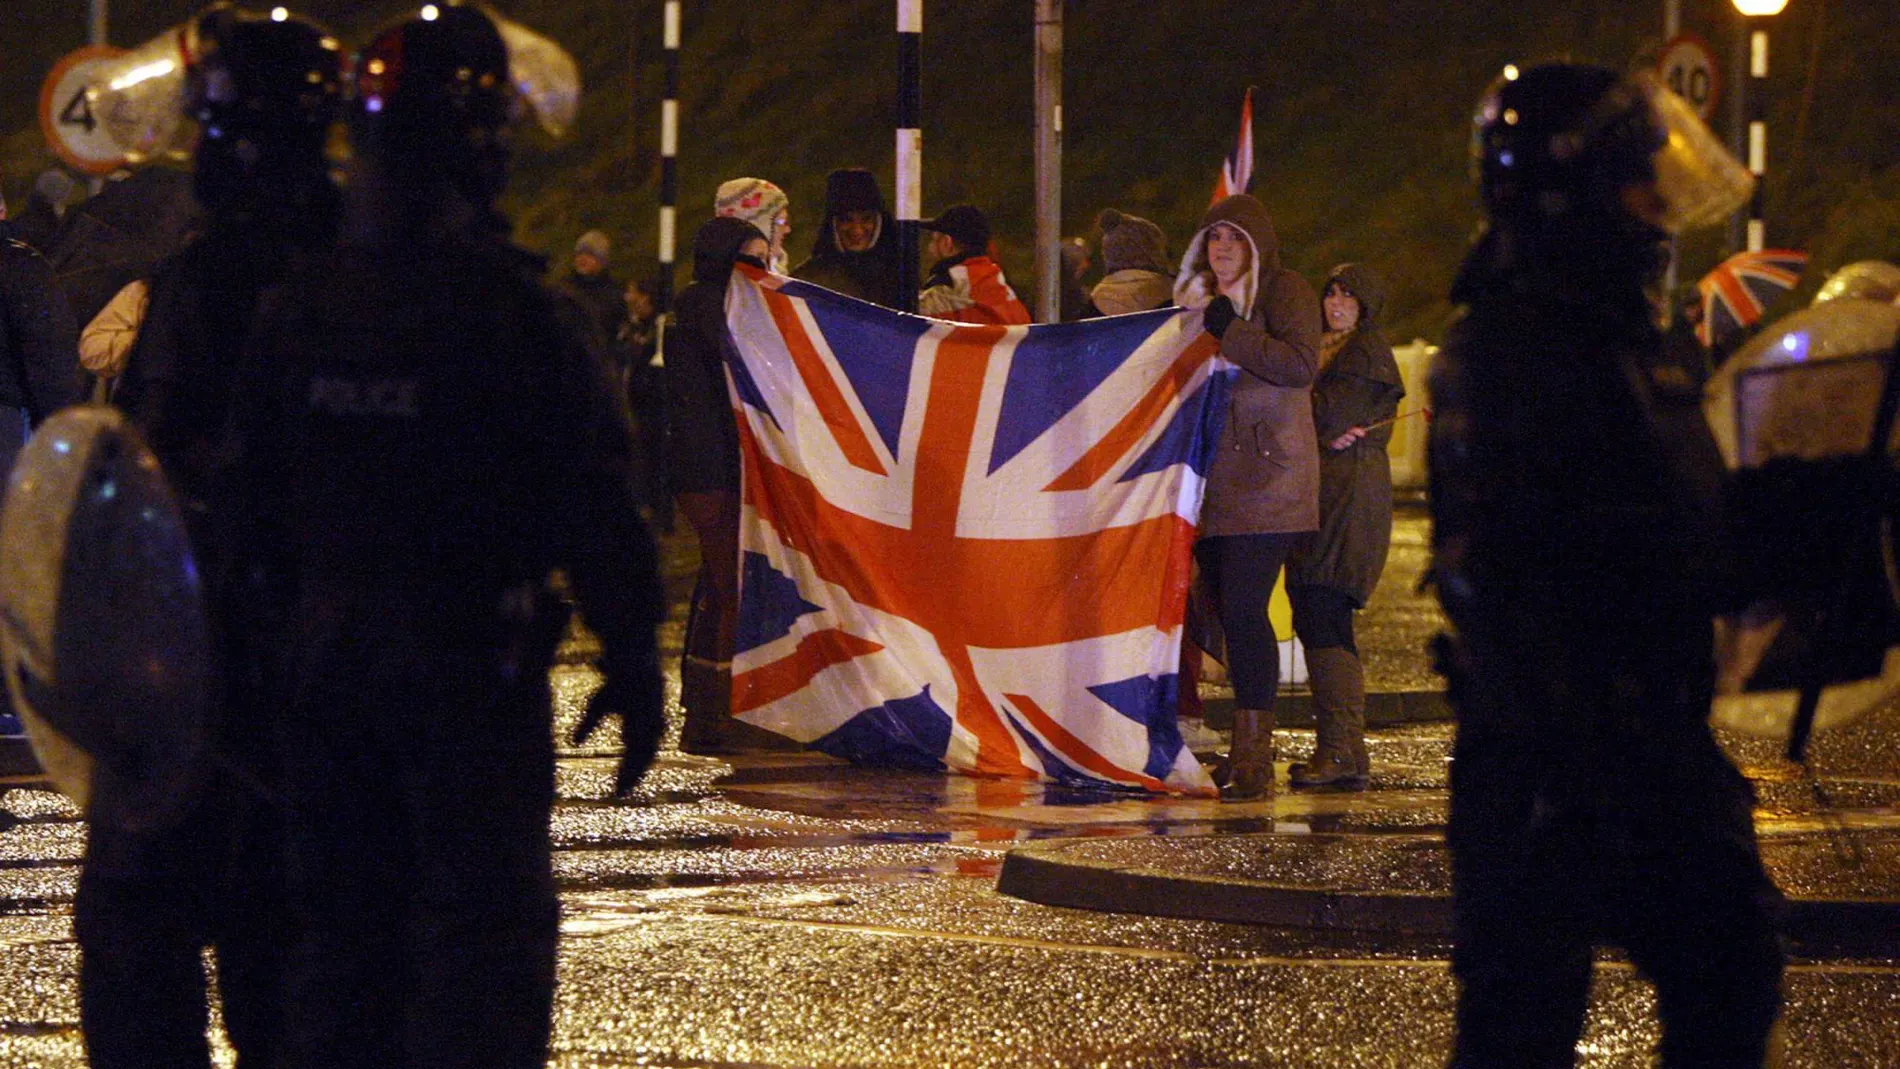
(852, 189)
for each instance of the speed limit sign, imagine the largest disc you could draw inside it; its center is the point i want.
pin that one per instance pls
(66, 117)
(1688, 68)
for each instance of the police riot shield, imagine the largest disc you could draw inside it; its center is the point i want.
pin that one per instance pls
(103, 631)
(1795, 413)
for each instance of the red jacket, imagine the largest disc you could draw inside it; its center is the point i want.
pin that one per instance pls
(971, 289)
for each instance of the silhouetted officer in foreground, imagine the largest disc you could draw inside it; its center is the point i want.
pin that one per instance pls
(264, 95)
(1577, 552)
(425, 444)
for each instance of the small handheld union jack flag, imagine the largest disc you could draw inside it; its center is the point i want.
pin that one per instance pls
(1236, 171)
(1738, 292)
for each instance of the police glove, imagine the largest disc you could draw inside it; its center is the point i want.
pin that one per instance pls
(1219, 316)
(633, 692)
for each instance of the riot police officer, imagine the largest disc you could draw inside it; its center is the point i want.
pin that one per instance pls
(1577, 551)
(264, 94)
(426, 443)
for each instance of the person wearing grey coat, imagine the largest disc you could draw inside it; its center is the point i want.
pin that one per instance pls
(1262, 495)
(1354, 400)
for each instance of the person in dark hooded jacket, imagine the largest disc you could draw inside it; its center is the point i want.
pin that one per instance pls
(856, 249)
(1354, 400)
(1262, 496)
(702, 443)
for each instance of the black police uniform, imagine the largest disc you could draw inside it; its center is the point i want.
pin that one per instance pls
(1578, 554)
(150, 899)
(39, 344)
(426, 443)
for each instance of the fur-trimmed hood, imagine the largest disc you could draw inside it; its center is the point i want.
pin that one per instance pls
(1194, 286)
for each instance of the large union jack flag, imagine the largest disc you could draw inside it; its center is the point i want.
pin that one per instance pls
(968, 547)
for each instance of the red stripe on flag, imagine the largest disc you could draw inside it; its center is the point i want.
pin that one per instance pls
(1741, 303)
(1078, 752)
(787, 675)
(1114, 445)
(996, 753)
(823, 389)
(949, 431)
(1026, 583)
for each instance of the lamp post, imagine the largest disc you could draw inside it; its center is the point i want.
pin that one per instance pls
(1755, 14)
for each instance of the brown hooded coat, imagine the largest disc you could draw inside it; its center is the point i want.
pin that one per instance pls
(1265, 474)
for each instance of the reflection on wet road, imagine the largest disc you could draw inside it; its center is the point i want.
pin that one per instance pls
(785, 911)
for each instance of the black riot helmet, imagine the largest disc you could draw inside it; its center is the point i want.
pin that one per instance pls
(1557, 144)
(1562, 140)
(264, 91)
(436, 93)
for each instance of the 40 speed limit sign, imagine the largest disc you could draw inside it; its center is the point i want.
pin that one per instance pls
(66, 116)
(1688, 68)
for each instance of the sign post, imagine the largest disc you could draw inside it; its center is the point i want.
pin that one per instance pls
(66, 116)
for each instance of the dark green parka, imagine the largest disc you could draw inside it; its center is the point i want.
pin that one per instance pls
(1360, 387)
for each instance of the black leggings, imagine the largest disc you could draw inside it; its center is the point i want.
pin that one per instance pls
(1240, 570)
(1322, 617)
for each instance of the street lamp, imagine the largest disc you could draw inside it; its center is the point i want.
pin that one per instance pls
(1756, 91)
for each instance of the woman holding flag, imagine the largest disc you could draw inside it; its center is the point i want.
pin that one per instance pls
(1262, 496)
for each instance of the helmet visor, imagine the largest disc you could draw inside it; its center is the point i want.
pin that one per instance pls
(139, 97)
(543, 73)
(1700, 181)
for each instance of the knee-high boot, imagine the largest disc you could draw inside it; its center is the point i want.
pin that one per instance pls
(1339, 714)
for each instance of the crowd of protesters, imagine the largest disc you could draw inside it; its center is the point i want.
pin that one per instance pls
(1282, 495)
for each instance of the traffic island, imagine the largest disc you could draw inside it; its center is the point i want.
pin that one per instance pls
(1840, 882)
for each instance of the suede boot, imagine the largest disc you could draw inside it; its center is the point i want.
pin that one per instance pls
(1339, 714)
(1249, 764)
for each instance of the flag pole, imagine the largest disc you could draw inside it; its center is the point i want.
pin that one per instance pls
(1049, 270)
(910, 146)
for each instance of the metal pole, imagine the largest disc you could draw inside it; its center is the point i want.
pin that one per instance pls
(669, 159)
(1757, 130)
(96, 35)
(910, 146)
(1049, 270)
(1672, 25)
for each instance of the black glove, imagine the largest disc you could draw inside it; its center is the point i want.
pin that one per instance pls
(634, 693)
(1219, 316)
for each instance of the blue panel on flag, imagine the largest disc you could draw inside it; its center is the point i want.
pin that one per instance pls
(1058, 365)
(748, 388)
(771, 603)
(909, 732)
(874, 347)
(1178, 443)
(1149, 701)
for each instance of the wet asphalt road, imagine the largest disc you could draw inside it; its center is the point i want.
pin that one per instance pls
(781, 911)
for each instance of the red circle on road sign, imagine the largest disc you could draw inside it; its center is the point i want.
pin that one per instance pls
(49, 106)
(1688, 68)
